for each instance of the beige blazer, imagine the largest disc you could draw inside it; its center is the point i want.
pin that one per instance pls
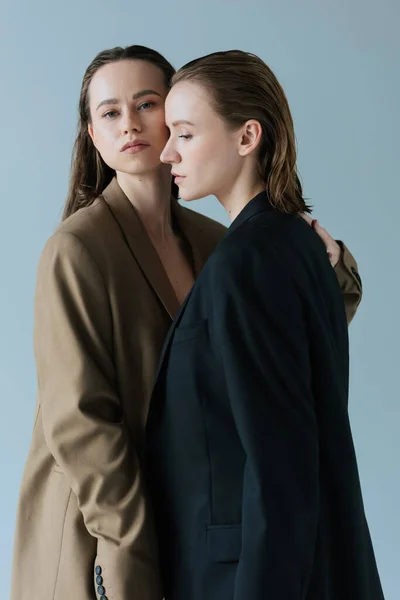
(103, 307)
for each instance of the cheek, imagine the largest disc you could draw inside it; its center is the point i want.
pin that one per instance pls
(104, 134)
(210, 156)
(227, 156)
(198, 154)
(163, 137)
(100, 138)
(156, 123)
(106, 144)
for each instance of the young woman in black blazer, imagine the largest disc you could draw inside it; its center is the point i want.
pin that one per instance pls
(250, 456)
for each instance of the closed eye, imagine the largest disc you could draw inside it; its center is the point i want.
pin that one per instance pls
(185, 137)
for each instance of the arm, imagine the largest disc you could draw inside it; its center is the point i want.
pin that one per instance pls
(82, 417)
(261, 341)
(345, 267)
(349, 280)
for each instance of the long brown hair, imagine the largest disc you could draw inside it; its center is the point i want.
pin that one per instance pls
(243, 87)
(89, 173)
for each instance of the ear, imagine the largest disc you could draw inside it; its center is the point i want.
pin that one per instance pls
(250, 137)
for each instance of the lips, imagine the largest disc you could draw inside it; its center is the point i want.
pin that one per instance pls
(178, 178)
(135, 145)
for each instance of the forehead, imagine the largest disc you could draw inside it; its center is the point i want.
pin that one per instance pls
(126, 76)
(187, 100)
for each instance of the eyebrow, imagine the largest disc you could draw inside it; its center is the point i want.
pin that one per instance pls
(182, 122)
(134, 97)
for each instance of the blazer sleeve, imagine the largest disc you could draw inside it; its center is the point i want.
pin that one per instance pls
(260, 340)
(83, 422)
(349, 280)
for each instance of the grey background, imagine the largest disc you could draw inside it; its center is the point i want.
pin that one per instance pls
(338, 61)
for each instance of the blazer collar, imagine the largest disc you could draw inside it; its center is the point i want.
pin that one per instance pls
(257, 205)
(144, 251)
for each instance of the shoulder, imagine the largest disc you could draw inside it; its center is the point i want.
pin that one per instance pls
(88, 221)
(89, 228)
(79, 237)
(273, 229)
(268, 247)
(253, 239)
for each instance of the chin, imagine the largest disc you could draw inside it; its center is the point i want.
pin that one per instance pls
(190, 195)
(139, 164)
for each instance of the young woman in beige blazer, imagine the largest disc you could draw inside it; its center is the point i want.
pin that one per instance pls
(110, 281)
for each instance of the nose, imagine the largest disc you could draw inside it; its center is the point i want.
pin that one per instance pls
(131, 122)
(170, 155)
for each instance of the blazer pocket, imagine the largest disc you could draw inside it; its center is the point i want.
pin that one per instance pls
(187, 332)
(224, 543)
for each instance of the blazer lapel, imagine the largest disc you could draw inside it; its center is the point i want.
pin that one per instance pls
(146, 255)
(141, 246)
(168, 339)
(196, 238)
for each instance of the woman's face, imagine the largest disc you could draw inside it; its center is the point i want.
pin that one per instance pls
(126, 100)
(202, 149)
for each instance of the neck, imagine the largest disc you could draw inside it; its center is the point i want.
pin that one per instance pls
(239, 195)
(150, 194)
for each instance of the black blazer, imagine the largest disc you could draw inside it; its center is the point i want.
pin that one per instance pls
(250, 456)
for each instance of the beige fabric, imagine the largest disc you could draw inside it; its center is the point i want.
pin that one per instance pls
(349, 281)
